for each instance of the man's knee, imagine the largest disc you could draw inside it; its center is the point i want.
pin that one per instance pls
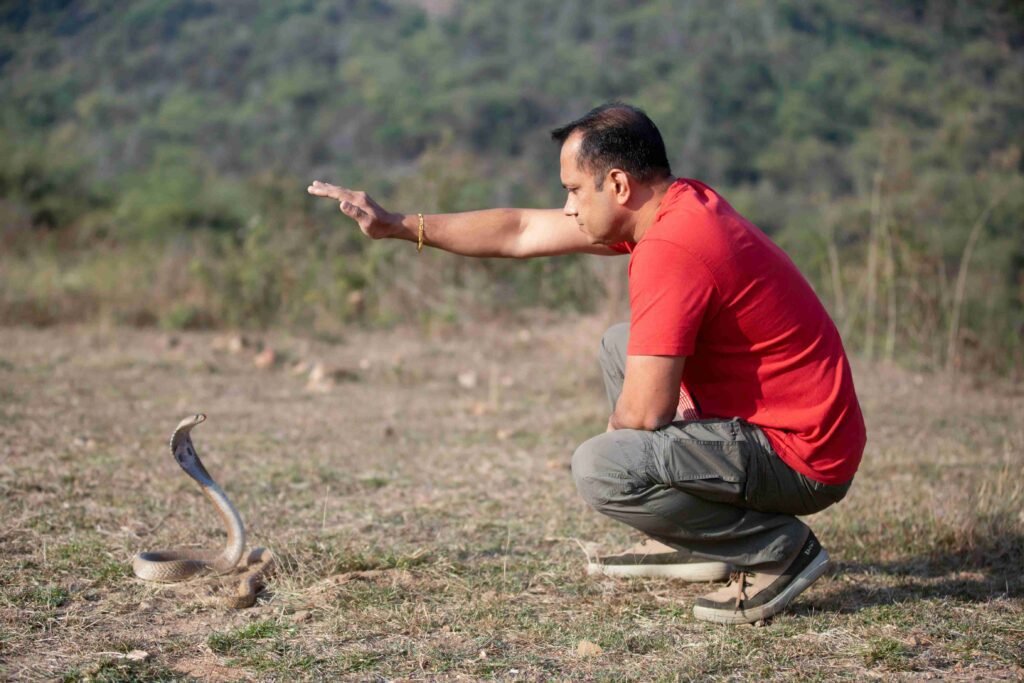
(600, 468)
(588, 469)
(614, 341)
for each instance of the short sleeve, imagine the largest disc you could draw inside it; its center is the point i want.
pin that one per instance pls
(670, 294)
(622, 247)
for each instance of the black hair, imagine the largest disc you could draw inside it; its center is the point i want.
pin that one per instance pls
(617, 135)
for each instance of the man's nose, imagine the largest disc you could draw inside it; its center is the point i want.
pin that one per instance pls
(570, 207)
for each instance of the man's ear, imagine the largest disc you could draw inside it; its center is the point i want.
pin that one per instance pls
(619, 181)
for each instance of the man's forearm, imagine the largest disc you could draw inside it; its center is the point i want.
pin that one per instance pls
(492, 232)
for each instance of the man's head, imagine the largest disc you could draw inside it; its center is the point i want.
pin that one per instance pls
(616, 135)
(610, 160)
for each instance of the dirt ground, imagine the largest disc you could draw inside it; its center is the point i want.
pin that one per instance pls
(417, 495)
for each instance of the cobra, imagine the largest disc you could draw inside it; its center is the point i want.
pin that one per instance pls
(172, 566)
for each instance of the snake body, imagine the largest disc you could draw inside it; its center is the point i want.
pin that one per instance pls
(172, 566)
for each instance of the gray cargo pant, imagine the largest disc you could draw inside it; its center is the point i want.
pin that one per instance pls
(713, 488)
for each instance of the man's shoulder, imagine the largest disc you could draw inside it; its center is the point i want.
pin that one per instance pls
(690, 215)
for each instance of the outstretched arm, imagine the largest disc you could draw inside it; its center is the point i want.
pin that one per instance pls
(512, 233)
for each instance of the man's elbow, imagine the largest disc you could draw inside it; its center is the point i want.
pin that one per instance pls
(656, 421)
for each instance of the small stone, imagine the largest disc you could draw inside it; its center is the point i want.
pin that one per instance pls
(318, 380)
(467, 379)
(265, 359)
(356, 301)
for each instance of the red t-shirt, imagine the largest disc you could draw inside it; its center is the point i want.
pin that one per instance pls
(706, 283)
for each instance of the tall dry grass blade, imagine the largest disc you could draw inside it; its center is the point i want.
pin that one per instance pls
(889, 349)
(952, 340)
(872, 267)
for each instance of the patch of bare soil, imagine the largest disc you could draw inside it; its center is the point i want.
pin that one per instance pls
(415, 489)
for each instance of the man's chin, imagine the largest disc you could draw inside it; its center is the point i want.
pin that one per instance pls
(593, 239)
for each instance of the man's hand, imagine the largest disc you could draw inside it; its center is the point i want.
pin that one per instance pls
(373, 220)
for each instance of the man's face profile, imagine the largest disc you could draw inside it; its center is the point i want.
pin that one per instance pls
(588, 206)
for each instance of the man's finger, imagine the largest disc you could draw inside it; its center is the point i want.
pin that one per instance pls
(320, 189)
(350, 209)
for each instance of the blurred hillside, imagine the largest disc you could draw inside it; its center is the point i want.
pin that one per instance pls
(154, 155)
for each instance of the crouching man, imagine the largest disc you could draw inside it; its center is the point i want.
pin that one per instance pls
(733, 405)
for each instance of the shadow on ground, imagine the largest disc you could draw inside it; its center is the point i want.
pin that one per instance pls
(979, 574)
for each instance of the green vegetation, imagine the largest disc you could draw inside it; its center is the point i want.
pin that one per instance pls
(154, 156)
(240, 640)
(888, 653)
(108, 670)
(43, 596)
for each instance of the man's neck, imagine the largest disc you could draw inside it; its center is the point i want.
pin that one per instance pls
(645, 214)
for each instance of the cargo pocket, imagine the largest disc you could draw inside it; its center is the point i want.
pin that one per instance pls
(710, 470)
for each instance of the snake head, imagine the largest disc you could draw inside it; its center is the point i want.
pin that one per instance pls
(183, 450)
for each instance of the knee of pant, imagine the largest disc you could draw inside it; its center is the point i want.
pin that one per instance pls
(592, 470)
(614, 340)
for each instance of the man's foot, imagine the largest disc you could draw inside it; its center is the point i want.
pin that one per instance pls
(651, 558)
(754, 595)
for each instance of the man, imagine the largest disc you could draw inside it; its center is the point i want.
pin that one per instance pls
(723, 327)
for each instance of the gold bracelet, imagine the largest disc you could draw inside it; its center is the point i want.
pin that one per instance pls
(419, 242)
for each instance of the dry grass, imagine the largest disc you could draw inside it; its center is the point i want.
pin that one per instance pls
(426, 529)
